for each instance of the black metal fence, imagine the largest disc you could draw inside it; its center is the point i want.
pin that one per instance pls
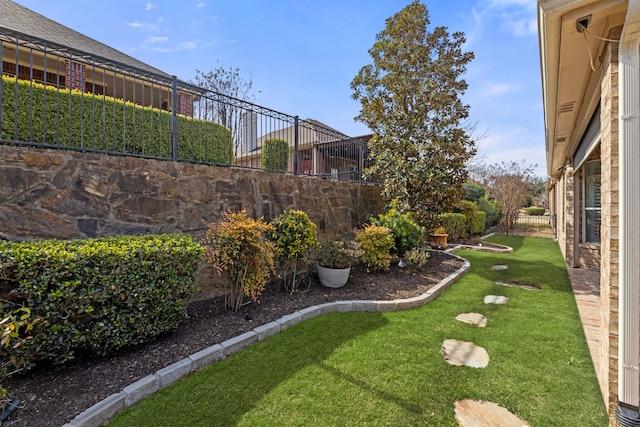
(55, 96)
(522, 224)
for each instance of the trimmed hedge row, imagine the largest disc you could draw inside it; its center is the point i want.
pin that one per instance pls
(534, 211)
(275, 155)
(463, 224)
(71, 118)
(95, 296)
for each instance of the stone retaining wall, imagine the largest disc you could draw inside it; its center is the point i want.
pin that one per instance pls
(62, 194)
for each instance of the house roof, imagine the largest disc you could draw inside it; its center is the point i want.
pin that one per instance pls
(568, 58)
(26, 23)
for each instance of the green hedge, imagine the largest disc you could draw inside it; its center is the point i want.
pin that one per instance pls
(478, 222)
(534, 211)
(275, 155)
(454, 223)
(71, 118)
(95, 296)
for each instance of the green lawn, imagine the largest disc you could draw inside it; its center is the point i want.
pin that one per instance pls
(386, 368)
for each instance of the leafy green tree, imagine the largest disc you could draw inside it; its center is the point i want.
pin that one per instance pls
(410, 98)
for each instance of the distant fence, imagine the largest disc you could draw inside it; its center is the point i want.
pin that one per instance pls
(55, 96)
(522, 224)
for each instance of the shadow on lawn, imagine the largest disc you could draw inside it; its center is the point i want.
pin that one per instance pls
(224, 392)
(535, 269)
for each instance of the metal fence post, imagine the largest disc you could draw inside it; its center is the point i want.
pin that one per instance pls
(174, 119)
(295, 146)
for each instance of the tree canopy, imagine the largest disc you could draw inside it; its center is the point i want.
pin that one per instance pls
(410, 98)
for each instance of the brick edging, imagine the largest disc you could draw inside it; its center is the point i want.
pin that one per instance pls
(102, 411)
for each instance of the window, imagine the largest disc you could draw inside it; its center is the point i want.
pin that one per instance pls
(592, 208)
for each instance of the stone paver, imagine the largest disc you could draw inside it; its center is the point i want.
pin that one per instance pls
(495, 299)
(473, 319)
(478, 413)
(461, 353)
(527, 286)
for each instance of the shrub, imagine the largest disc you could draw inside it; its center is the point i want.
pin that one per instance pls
(375, 243)
(475, 219)
(407, 234)
(478, 222)
(416, 258)
(16, 326)
(239, 249)
(535, 211)
(98, 295)
(275, 155)
(293, 235)
(114, 126)
(454, 223)
(336, 254)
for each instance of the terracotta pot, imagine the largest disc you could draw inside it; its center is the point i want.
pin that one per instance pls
(439, 241)
(333, 277)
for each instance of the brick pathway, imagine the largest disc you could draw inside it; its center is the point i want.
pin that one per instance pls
(586, 289)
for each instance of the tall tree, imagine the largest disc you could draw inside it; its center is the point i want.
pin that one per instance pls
(224, 103)
(410, 98)
(509, 183)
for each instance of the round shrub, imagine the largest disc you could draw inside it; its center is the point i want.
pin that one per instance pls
(535, 211)
(407, 234)
(375, 243)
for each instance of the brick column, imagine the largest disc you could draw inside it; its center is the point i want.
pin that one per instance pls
(185, 104)
(570, 220)
(74, 72)
(608, 375)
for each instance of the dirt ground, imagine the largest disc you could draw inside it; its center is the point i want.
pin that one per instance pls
(52, 396)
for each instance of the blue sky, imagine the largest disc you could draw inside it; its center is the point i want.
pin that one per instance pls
(303, 54)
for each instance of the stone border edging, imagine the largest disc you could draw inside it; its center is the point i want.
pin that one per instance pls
(104, 410)
(502, 250)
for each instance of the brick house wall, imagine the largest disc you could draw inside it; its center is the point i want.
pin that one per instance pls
(185, 104)
(75, 75)
(608, 375)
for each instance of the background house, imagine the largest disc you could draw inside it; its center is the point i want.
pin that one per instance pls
(589, 54)
(321, 150)
(36, 48)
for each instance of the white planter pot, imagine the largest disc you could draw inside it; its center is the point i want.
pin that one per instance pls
(333, 277)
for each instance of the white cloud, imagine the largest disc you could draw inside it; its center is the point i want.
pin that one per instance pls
(156, 39)
(195, 44)
(517, 17)
(201, 4)
(191, 45)
(502, 4)
(522, 27)
(142, 25)
(150, 6)
(498, 89)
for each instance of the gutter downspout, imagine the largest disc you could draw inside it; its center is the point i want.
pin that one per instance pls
(626, 413)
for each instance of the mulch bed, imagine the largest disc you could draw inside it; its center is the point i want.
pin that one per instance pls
(52, 396)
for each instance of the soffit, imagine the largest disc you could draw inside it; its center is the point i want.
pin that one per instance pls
(569, 78)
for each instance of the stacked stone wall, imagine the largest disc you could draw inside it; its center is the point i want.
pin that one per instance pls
(62, 194)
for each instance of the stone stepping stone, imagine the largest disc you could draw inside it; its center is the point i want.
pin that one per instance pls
(527, 286)
(495, 299)
(500, 267)
(473, 319)
(462, 353)
(478, 413)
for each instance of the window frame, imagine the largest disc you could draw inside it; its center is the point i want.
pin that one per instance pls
(588, 209)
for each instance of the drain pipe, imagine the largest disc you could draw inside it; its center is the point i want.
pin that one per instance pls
(629, 233)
